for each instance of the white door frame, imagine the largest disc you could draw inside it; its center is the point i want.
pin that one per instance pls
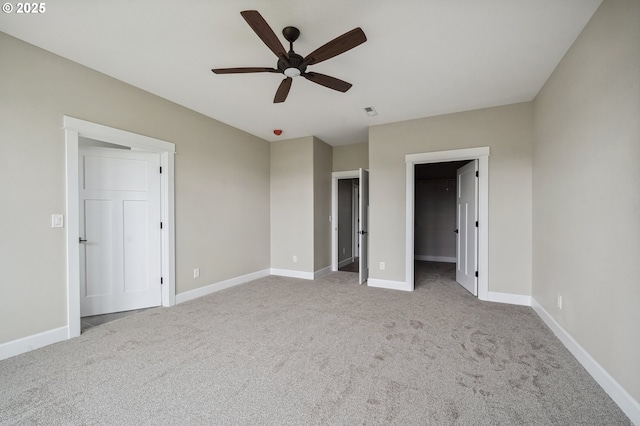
(335, 176)
(75, 128)
(482, 155)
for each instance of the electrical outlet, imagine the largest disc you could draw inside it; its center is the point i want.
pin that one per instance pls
(196, 273)
(382, 266)
(57, 221)
(559, 302)
(295, 258)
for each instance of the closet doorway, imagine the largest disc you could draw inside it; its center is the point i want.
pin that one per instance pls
(445, 218)
(480, 228)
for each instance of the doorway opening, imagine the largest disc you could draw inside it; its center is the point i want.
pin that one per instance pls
(348, 224)
(350, 218)
(478, 158)
(437, 222)
(107, 138)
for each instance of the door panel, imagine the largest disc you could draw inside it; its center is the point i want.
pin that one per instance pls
(467, 232)
(363, 230)
(115, 174)
(120, 221)
(97, 214)
(136, 245)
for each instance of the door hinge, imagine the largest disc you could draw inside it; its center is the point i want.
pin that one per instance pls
(476, 274)
(161, 225)
(476, 223)
(160, 169)
(162, 281)
(477, 174)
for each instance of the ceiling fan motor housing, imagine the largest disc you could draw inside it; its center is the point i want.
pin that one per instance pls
(294, 61)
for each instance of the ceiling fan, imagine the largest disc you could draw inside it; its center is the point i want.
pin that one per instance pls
(290, 63)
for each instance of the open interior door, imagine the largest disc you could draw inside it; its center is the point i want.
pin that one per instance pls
(364, 227)
(467, 231)
(120, 254)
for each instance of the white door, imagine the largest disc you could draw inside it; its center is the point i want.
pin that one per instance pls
(120, 266)
(363, 227)
(356, 220)
(467, 232)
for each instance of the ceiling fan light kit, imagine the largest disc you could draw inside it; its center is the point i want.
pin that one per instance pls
(292, 72)
(290, 63)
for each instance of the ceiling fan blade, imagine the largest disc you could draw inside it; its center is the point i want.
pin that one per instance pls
(283, 90)
(264, 31)
(328, 81)
(338, 45)
(242, 70)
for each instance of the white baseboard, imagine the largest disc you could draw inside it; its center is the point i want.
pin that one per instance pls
(293, 274)
(321, 272)
(512, 299)
(301, 274)
(36, 341)
(393, 285)
(620, 396)
(212, 288)
(345, 262)
(445, 259)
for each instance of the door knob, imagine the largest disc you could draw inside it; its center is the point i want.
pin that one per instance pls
(81, 240)
(456, 231)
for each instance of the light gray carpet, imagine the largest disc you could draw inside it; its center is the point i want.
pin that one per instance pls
(288, 351)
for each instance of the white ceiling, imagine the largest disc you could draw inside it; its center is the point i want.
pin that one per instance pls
(422, 57)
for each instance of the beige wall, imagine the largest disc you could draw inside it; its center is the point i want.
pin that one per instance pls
(507, 130)
(586, 199)
(300, 204)
(292, 204)
(351, 157)
(222, 182)
(322, 162)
